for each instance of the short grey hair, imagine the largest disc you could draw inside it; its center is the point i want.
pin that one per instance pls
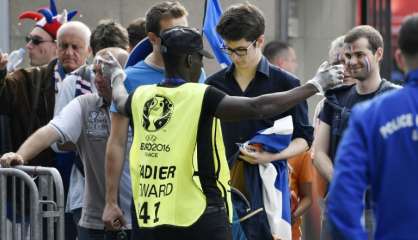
(335, 47)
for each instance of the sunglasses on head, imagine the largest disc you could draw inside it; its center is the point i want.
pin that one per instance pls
(36, 40)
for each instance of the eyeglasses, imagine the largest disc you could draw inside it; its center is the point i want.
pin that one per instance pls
(35, 40)
(239, 51)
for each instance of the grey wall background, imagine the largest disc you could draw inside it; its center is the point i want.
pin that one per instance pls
(319, 22)
(4, 25)
(312, 24)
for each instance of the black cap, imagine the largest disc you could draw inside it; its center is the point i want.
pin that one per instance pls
(182, 40)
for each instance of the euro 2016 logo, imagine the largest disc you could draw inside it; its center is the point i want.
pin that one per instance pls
(157, 112)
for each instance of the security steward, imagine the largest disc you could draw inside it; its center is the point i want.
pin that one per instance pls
(178, 166)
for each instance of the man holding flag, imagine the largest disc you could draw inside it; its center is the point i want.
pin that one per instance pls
(250, 75)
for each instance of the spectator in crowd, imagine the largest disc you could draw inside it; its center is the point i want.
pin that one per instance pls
(81, 81)
(108, 33)
(177, 116)
(84, 122)
(32, 95)
(242, 28)
(41, 41)
(335, 57)
(136, 32)
(362, 55)
(379, 149)
(41, 47)
(30, 92)
(158, 17)
(281, 54)
(320, 185)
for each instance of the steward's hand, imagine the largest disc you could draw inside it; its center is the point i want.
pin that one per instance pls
(327, 77)
(110, 67)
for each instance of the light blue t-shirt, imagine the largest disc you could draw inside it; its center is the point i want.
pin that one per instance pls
(140, 74)
(143, 73)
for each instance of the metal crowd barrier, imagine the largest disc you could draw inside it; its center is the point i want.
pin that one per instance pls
(45, 206)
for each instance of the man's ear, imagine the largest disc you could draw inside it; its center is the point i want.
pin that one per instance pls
(153, 38)
(189, 60)
(400, 60)
(379, 54)
(260, 41)
(278, 61)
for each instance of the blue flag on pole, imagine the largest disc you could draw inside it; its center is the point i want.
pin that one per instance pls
(213, 13)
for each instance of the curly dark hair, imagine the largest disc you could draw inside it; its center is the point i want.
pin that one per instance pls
(108, 34)
(136, 31)
(241, 21)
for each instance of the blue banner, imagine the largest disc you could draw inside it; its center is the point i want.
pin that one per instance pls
(213, 13)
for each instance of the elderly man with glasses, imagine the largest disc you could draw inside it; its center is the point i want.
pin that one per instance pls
(29, 94)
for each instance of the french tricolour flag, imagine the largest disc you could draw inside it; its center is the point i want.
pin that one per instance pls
(275, 177)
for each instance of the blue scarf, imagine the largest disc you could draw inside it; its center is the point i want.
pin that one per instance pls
(59, 75)
(83, 82)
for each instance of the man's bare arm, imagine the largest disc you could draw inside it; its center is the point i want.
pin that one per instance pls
(305, 194)
(321, 160)
(115, 156)
(119, 93)
(36, 143)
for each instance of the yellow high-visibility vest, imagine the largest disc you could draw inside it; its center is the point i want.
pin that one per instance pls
(166, 172)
